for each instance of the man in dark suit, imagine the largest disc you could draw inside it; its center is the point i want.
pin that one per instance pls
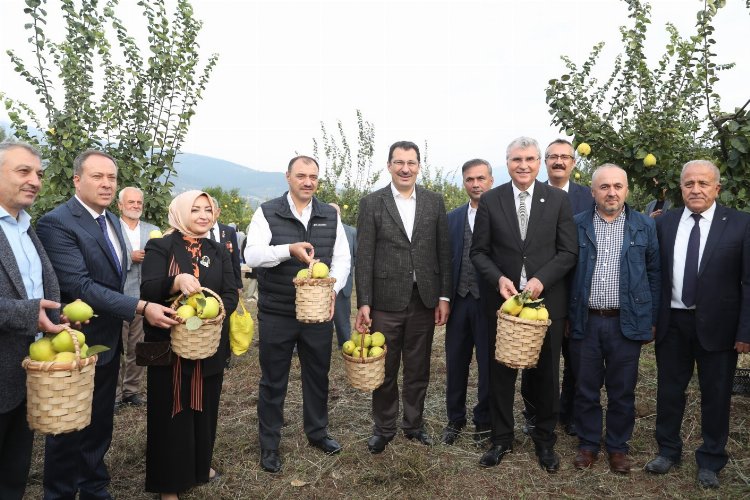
(85, 244)
(560, 161)
(467, 327)
(342, 315)
(227, 235)
(403, 289)
(525, 239)
(26, 278)
(704, 317)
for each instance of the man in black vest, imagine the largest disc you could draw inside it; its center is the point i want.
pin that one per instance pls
(285, 234)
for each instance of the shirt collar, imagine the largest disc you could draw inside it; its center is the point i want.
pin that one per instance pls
(23, 220)
(289, 199)
(708, 214)
(94, 214)
(396, 194)
(621, 215)
(516, 191)
(472, 210)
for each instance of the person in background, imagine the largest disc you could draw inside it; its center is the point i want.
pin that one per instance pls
(183, 397)
(467, 329)
(342, 314)
(29, 299)
(136, 232)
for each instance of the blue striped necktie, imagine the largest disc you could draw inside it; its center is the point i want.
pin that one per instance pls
(103, 224)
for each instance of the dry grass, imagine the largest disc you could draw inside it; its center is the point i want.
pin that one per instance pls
(408, 470)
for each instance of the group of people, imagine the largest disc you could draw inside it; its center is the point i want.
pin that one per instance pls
(611, 278)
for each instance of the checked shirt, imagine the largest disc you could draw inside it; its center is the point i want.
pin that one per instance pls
(605, 282)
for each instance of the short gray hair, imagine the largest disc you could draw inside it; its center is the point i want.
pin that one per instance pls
(523, 143)
(131, 188)
(705, 163)
(9, 145)
(605, 166)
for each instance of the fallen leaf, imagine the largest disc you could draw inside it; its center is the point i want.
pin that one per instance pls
(298, 483)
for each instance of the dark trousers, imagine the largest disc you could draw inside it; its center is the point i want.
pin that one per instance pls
(604, 356)
(567, 389)
(278, 336)
(75, 461)
(179, 448)
(676, 356)
(408, 334)
(541, 392)
(466, 330)
(16, 441)
(342, 318)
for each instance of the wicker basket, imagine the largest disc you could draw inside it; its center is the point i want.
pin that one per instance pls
(365, 374)
(313, 298)
(59, 395)
(519, 341)
(202, 342)
(741, 384)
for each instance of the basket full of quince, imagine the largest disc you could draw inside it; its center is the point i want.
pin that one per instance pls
(521, 326)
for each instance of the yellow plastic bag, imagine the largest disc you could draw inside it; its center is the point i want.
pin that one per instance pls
(241, 329)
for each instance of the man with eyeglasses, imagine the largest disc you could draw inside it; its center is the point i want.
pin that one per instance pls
(525, 239)
(560, 161)
(403, 280)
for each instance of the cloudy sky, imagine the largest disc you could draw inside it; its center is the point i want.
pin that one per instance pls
(465, 76)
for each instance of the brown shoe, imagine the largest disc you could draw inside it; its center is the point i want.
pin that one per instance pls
(619, 462)
(584, 459)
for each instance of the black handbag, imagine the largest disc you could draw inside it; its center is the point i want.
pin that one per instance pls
(154, 353)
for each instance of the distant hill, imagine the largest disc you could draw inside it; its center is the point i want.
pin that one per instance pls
(198, 171)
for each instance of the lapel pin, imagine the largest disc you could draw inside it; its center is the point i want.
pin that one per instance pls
(724, 218)
(205, 261)
(541, 200)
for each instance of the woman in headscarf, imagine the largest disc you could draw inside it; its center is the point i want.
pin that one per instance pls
(183, 397)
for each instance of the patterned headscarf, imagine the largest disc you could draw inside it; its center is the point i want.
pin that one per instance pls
(179, 211)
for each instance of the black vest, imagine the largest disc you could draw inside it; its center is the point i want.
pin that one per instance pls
(275, 288)
(467, 282)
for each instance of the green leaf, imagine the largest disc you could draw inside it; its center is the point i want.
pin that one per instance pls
(193, 323)
(96, 349)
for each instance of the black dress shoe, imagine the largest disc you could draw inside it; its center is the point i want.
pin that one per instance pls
(420, 436)
(326, 444)
(270, 461)
(134, 400)
(708, 479)
(570, 429)
(482, 433)
(451, 432)
(549, 460)
(376, 444)
(659, 465)
(494, 455)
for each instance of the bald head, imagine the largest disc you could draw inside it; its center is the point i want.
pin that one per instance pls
(609, 186)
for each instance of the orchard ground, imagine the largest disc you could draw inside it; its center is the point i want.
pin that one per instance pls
(406, 469)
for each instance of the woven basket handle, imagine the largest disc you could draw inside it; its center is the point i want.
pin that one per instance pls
(362, 342)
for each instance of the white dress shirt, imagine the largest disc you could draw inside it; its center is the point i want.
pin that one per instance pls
(472, 215)
(680, 250)
(259, 253)
(110, 230)
(133, 235)
(407, 208)
(214, 231)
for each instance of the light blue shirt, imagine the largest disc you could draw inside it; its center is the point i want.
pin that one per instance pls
(29, 264)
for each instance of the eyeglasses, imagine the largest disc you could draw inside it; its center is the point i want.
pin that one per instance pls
(401, 163)
(517, 160)
(559, 157)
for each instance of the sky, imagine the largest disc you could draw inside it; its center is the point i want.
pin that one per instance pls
(466, 77)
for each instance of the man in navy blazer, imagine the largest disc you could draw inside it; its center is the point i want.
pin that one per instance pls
(467, 327)
(560, 161)
(704, 317)
(85, 244)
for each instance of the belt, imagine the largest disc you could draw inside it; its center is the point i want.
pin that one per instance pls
(605, 313)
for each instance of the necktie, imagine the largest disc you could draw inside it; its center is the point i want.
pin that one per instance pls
(523, 222)
(523, 218)
(213, 235)
(103, 224)
(690, 276)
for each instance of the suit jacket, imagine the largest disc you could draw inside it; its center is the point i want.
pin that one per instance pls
(86, 270)
(549, 250)
(351, 239)
(218, 276)
(228, 238)
(580, 197)
(19, 318)
(386, 259)
(133, 277)
(722, 303)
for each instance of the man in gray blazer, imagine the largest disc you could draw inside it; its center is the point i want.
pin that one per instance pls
(26, 278)
(342, 314)
(403, 280)
(136, 233)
